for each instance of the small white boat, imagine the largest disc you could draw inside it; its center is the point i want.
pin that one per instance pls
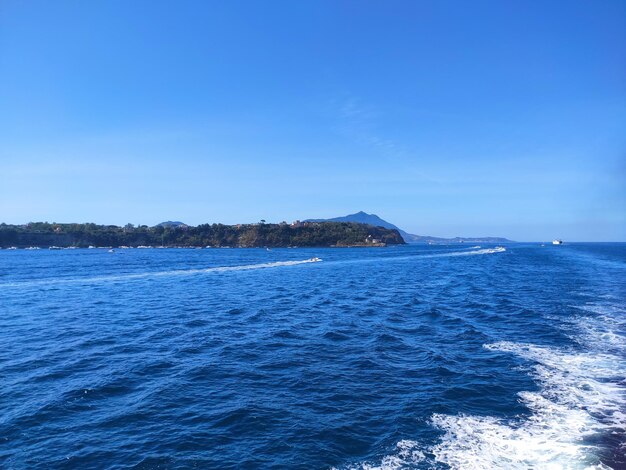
(557, 242)
(315, 260)
(111, 250)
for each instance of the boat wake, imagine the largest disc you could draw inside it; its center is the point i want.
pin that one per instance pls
(157, 274)
(580, 399)
(483, 251)
(580, 396)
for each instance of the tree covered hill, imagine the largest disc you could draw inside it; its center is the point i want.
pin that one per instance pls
(372, 219)
(306, 234)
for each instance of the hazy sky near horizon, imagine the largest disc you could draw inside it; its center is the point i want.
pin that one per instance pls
(502, 118)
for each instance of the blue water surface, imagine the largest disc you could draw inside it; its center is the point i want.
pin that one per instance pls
(401, 357)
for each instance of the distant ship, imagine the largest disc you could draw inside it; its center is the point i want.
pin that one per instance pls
(557, 242)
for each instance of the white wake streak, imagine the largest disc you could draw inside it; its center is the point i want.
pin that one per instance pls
(484, 251)
(581, 394)
(157, 274)
(447, 254)
(578, 397)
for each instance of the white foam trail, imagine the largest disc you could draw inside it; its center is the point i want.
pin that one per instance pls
(147, 275)
(604, 329)
(484, 251)
(579, 397)
(581, 394)
(187, 272)
(407, 454)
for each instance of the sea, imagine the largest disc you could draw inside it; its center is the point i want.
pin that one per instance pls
(427, 357)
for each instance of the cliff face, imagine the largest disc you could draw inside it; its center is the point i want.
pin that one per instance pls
(249, 235)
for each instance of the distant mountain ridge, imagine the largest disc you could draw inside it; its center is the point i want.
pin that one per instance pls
(372, 219)
(365, 218)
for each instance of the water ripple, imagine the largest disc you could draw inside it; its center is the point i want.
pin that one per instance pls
(413, 357)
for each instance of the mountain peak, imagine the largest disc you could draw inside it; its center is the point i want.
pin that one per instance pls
(372, 219)
(362, 218)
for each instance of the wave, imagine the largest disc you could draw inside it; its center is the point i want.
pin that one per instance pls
(483, 251)
(391, 259)
(406, 454)
(188, 272)
(155, 274)
(446, 254)
(581, 396)
(604, 330)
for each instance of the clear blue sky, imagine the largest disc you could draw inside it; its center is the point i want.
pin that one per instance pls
(503, 118)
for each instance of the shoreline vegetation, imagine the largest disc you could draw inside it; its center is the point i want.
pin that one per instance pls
(177, 235)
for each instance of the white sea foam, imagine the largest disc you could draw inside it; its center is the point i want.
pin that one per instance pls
(406, 455)
(156, 274)
(456, 252)
(483, 251)
(604, 330)
(581, 394)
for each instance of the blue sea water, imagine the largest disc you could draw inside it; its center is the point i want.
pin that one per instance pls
(465, 357)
